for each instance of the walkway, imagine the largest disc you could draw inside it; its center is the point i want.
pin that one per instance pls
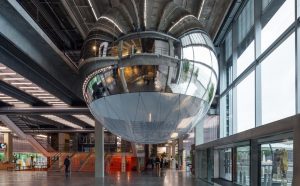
(166, 178)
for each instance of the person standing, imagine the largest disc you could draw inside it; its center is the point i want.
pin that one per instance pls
(67, 163)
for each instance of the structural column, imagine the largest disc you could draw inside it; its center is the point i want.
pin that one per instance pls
(8, 153)
(180, 153)
(99, 151)
(296, 160)
(254, 159)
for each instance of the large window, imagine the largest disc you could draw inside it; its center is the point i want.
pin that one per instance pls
(277, 163)
(280, 21)
(246, 103)
(278, 82)
(245, 59)
(226, 164)
(243, 165)
(228, 45)
(245, 20)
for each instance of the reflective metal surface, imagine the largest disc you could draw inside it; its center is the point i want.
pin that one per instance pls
(145, 98)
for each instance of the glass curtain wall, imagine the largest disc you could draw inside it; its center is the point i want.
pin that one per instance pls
(226, 164)
(277, 163)
(243, 165)
(256, 97)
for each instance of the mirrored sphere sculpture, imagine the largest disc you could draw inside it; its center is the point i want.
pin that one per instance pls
(149, 87)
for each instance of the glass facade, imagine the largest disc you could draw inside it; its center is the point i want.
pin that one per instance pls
(226, 164)
(250, 98)
(246, 104)
(259, 84)
(284, 17)
(280, 61)
(277, 163)
(243, 165)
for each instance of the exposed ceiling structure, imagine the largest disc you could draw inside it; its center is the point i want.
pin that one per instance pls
(41, 43)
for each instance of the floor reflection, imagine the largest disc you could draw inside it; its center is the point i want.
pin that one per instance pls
(151, 177)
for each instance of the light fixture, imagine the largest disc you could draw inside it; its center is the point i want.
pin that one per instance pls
(12, 79)
(56, 102)
(150, 117)
(41, 94)
(46, 97)
(10, 100)
(21, 83)
(201, 8)
(113, 22)
(7, 73)
(184, 17)
(4, 97)
(85, 119)
(94, 48)
(93, 10)
(62, 121)
(145, 13)
(29, 87)
(174, 135)
(2, 68)
(50, 100)
(34, 90)
(41, 136)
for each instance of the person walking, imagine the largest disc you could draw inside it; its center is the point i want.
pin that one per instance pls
(67, 163)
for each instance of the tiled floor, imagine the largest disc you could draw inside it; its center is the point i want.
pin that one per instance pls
(169, 177)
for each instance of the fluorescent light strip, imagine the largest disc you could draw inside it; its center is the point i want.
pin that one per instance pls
(184, 17)
(60, 120)
(41, 94)
(34, 90)
(10, 100)
(103, 17)
(21, 83)
(15, 102)
(201, 8)
(12, 79)
(85, 119)
(7, 74)
(29, 87)
(107, 18)
(5, 97)
(55, 102)
(46, 97)
(93, 10)
(145, 13)
(51, 100)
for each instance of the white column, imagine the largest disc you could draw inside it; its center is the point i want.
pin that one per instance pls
(99, 151)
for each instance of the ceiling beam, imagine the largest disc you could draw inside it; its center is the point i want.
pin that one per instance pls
(41, 9)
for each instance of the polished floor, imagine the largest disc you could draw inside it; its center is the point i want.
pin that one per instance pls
(149, 178)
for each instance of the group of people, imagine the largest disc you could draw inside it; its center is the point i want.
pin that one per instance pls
(163, 162)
